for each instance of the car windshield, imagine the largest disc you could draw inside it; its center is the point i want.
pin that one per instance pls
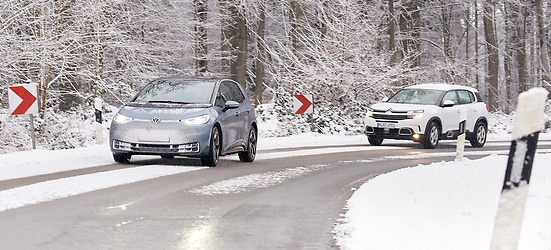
(179, 91)
(417, 96)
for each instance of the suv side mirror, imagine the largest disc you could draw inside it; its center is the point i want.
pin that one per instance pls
(230, 105)
(385, 99)
(448, 103)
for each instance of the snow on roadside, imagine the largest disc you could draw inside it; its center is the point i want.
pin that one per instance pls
(446, 205)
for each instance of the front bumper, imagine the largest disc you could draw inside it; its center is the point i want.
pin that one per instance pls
(391, 129)
(166, 138)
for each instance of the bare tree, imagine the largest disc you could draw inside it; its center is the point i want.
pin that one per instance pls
(493, 54)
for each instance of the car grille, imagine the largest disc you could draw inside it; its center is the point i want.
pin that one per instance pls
(157, 148)
(390, 117)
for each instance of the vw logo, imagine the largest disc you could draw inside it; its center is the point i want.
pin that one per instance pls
(389, 110)
(155, 120)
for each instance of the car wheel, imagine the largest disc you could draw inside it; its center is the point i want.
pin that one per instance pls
(122, 158)
(250, 154)
(432, 135)
(214, 149)
(478, 139)
(375, 140)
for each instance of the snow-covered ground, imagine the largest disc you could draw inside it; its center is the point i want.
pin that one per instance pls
(447, 205)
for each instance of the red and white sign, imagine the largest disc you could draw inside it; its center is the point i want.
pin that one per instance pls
(22, 99)
(302, 104)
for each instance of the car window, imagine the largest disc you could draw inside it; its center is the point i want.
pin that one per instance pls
(451, 96)
(465, 96)
(235, 91)
(416, 96)
(177, 91)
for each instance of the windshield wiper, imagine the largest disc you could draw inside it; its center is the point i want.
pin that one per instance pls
(167, 101)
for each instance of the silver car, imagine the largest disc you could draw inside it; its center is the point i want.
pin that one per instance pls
(180, 116)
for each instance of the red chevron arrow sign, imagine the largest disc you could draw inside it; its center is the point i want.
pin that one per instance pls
(22, 99)
(302, 104)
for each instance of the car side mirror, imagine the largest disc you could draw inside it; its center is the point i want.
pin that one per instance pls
(385, 99)
(448, 103)
(230, 105)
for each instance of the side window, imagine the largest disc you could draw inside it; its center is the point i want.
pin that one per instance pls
(451, 96)
(223, 95)
(465, 97)
(235, 92)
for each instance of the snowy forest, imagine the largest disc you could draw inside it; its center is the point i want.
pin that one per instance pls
(347, 53)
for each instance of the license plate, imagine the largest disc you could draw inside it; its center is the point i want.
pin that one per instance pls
(386, 125)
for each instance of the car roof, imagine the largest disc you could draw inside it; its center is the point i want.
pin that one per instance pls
(441, 86)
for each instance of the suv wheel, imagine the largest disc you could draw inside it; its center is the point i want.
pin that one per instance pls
(432, 135)
(375, 140)
(478, 138)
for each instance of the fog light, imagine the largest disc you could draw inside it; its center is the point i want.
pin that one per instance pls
(416, 136)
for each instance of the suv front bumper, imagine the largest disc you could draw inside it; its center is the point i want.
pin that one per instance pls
(400, 130)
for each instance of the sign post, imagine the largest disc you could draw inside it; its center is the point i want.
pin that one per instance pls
(527, 125)
(23, 101)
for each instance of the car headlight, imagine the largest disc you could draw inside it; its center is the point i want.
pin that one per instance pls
(196, 120)
(369, 112)
(121, 119)
(416, 114)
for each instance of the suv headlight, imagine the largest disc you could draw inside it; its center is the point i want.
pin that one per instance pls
(369, 112)
(196, 120)
(122, 119)
(416, 114)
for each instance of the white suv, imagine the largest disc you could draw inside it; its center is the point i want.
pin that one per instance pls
(428, 113)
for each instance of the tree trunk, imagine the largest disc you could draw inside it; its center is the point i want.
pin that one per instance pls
(546, 77)
(261, 57)
(234, 41)
(240, 45)
(392, 33)
(520, 31)
(298, 29)
(201, 65)
(493, 55)
(446, 38)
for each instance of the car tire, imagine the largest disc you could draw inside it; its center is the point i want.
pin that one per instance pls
(375, 140)
(122, 158)
(211, 160)
(478, 137)
(250, 154)
(432, 136)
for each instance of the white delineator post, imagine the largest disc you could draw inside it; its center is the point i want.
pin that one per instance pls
(98, 107)
(527, 125)
(461, 137)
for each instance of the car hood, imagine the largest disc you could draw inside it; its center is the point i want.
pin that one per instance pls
(163, 112)
(385, 106)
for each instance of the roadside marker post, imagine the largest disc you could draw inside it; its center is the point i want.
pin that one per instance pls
(527, 125)
(461, 137)
(98, 107)
(304, 104)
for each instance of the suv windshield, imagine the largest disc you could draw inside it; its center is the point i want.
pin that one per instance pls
(417, 96)
(178, 91)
